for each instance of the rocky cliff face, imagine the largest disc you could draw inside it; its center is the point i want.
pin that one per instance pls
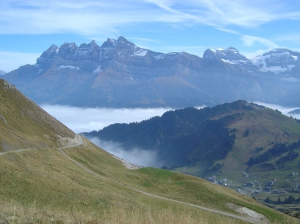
(120, 74)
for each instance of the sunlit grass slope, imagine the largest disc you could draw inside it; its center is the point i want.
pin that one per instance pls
(23, 124)
(42, 185)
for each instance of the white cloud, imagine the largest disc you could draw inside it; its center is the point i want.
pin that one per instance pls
(12, 60)
(91, 17)
(89, 119)
(251, 40)
(220, 13)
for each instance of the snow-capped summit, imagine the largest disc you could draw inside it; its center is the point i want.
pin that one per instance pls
(277, 60)
(230, 56)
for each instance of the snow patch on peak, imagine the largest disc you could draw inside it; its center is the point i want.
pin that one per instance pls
(159, 56)
(68, 67)
(173, 53)
(233, 50)
(97, 70)
(295, 57)
(140, 52)
(228, 61)
(69, 44)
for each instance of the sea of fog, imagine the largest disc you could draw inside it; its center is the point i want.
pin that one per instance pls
(89, 119)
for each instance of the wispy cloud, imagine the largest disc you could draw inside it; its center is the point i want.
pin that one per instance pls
(251, 40)
(223, 13)
(90, 17)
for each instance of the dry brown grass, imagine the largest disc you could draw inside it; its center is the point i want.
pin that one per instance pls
(42, 186)
(15, 213)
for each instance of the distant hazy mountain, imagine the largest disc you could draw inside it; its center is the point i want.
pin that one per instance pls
(120, 74)
(2, 72)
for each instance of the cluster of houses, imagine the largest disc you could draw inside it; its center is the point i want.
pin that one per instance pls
(269, 186)
(213, 179)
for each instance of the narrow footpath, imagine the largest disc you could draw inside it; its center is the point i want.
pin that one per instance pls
(250, 219)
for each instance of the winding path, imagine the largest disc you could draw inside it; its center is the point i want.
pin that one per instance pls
(254, 220)
(250, 219)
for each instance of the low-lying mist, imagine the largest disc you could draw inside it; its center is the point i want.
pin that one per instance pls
(284, 110)
(89, 119)
(136, 156)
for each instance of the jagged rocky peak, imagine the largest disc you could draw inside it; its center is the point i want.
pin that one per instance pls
(67, 50)
(89, 51)
(50, 52)
(125, 48)
(221, 53)
(125, 45)
(230, 55)
(277, 60)
(123, 40)
(107, 50)
(47, 57)
(109, 43)
(88, 47)
(232, 50)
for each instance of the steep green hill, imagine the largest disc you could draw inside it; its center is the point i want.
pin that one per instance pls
(23, 124)
(231, 144)
(81, 183)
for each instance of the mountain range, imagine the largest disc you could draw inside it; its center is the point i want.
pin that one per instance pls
(120, 74)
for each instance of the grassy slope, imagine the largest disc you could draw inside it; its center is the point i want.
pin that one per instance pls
(44, 185)
(27, 125)
(171, 184)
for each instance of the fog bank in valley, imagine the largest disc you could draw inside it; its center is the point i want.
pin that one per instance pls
(136, 156)
(284, 110)
(89, 119)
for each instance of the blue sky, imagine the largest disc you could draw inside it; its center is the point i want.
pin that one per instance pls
(29, 27)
